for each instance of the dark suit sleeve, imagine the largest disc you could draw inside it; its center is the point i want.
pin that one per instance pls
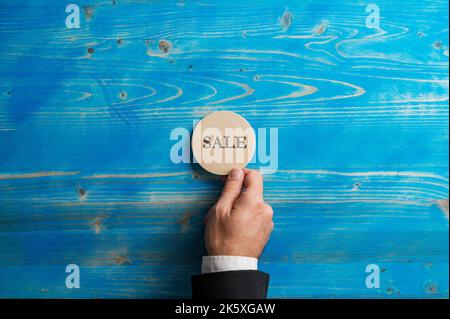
(240, 284)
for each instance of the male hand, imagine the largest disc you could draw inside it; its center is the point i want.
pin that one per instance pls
(240, 222)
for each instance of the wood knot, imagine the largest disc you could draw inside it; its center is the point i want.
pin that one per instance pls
(443, 205)
(164, 46)
(320, 29)
(88, 12)
(122, 261)
(98, 225)
(81, 193)
(437, 45)
(286, 20)
(431, 288)
(186, 219)
(185, 222)
(123, 95)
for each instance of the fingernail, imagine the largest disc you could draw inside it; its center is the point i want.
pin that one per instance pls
(235, 173)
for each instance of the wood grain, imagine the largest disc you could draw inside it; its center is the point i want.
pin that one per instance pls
(85, 122)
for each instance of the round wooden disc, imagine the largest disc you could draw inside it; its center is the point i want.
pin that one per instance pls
(222, 141)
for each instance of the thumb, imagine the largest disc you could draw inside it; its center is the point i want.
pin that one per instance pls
(232, 188)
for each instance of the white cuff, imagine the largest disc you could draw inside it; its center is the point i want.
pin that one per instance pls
(228, 263)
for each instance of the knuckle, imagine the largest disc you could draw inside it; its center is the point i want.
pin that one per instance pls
(220, 208)
(268, 210)
(259, 204)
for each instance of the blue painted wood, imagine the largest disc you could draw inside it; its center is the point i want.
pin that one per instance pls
(86, 116)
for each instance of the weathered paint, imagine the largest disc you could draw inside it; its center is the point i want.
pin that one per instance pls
(86, 116)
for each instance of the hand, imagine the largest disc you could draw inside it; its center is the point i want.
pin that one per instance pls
(240, 222)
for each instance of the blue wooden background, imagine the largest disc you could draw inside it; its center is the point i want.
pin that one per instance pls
(85, 122)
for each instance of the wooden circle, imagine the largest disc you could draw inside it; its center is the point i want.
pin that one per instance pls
(222, 141)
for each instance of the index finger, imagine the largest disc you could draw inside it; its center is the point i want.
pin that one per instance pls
(253, 181)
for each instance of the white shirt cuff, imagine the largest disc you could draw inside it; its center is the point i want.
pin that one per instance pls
(228, 263)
